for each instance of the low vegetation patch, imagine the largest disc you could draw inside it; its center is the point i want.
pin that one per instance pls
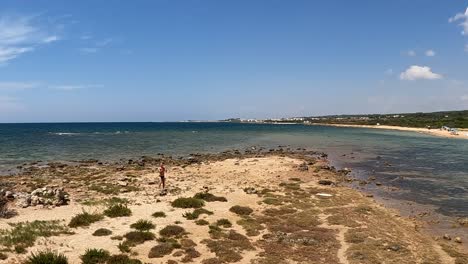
(172, 231)
(143, 225)
(229, 246)
(161, 250)
(84, 219)
(202, 222)
(159, 214)
(224, 223)
(187, 203)
(3, 256)
(251, 226)
(241, 210)
(23, 235)
(122, 259)
(209, 197)
(47, 257)
(95, 256)
(138, 237)
(102, 232)
(196, 213)
(5, 212)
(117, 210)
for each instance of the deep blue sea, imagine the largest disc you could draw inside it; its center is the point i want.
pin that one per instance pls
(427, 169)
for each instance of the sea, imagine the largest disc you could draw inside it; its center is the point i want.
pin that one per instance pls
(424, 169)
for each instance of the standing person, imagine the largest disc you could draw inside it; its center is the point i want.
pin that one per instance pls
(162, 175)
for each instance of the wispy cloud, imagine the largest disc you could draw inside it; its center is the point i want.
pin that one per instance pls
(419, 73)
(19, 35)
(75, 87)
(411, 53)
(96, 46)
(89, 50)
(18, 85)
(464, 21)
(430, 53)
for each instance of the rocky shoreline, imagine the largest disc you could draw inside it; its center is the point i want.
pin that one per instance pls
(295, 197)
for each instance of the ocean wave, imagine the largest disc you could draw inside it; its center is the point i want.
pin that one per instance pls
(64, 133)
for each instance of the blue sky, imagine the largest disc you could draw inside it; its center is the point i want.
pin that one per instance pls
(174, 60)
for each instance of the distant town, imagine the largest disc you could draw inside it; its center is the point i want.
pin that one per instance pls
(455, 119)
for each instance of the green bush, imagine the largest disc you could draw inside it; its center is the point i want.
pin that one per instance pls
(202, 222)
(196, 213)
(241, 210)
(117, 210)
(161, 250)
(188, 203)
(47, 257)
(209, 197)
(172, 230)
(143, 225)
(84, 219)
(95, 256)
(159, 214)
(102, 232)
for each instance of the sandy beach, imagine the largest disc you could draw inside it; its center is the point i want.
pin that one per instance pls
(462, 133)
(272, 207)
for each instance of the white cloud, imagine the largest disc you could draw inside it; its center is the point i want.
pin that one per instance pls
(411, 53)
(430, 53)
(464, 21)
(419, 72)
(89, 50)
(74, 87)
(50, 39)
(18, 85)
(19, 35)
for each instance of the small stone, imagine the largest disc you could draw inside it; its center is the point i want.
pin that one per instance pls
(325, 182)
(458, 240)
(447, 237)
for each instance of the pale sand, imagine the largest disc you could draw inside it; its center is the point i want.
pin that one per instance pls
(462, 133)
(223, 178)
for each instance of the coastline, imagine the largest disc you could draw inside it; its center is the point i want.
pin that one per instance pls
(299, 203)
(463, 133)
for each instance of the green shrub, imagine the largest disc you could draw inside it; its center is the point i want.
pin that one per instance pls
(202, 222)
(24, 234)
(124, 247)
(95, 256)
(241, 210)
(196, 213)
(117, 210)
(172, 230)
(102, 232)
(122, 259)
(143, 225)
(159, 214)
(47, 257)
(188, 203)
(84, 219)
(224, 223)
(209, 197)
(138, 237)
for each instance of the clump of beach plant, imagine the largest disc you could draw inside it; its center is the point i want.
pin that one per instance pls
(241, 210)
(202, 222)
(161, 250)
(124, 247)
(159, 214)
(251, 226)
(196, 213)
(47, 257)
(95, 256)
(224, 223)
(102, 232)
(117, 210)
(138, 237)
(122, 259)
(189, 202)
(143, 225)
(85, 219)
(209, 197)
(228, 246)
(172, 231)
(24, 234)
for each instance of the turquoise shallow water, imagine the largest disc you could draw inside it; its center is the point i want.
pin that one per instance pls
(428, 170)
